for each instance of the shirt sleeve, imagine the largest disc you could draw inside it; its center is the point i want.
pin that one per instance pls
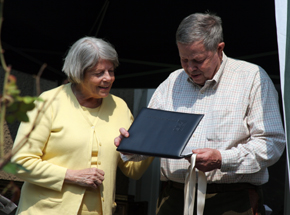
(132, 157)
(135, 169)
(158, 99)
(267, 139)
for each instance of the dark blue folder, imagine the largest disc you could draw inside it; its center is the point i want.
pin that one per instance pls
(160, 133)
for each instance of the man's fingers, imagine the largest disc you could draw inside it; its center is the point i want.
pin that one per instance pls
(197, 151)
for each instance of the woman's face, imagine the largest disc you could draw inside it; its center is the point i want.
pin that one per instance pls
(98, 81)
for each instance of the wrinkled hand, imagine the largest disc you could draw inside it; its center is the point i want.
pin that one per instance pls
(207, 159)
(90, 177)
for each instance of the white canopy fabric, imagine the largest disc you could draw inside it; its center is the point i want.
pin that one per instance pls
(283, 29)
(283, 50)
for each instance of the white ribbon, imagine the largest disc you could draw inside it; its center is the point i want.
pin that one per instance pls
(189, 189)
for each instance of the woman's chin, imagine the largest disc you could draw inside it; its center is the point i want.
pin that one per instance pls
(104, 94)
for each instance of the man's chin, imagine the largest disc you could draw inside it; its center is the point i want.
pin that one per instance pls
(198, 81)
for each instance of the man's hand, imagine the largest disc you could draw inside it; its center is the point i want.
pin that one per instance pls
(207, 159)
(90, 177)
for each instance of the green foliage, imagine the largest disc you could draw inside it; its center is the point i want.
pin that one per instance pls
(12, 168)
(17, 106)
(12, 107)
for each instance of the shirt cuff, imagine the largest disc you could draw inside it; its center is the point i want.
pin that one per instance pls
(133, 157)
(126, 158)
(228, 161)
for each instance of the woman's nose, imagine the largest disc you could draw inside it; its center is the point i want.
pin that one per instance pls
(108, 76)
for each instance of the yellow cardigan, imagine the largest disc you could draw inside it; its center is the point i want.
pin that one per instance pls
(63, 140)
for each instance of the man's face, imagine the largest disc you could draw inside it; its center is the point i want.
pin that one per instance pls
(199, 64)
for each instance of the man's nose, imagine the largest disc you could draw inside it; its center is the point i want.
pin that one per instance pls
(191, 66)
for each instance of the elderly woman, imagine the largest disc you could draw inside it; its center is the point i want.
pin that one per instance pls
(71, 156)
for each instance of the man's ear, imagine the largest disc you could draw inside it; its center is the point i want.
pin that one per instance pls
(220, 49)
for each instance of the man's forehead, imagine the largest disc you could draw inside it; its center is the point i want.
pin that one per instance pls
(192, 50)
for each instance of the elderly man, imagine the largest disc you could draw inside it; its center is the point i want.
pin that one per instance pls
(241, 133)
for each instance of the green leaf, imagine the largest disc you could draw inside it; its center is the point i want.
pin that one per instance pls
(28, 99)
(13, 91)
(26, 107)
(30, 106)
(13, 107)
(22, 117)
(13, 168)
(10, 118)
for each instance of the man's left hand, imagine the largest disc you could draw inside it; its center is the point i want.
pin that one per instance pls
(207, 159)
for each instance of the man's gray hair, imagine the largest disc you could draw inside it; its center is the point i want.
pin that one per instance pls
(201, 27)
(85, 54)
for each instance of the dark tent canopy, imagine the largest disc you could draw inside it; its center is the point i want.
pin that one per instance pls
(143, 33)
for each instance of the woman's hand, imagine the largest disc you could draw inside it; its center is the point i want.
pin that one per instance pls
(117, 140)
(90, 177)
(123, 133)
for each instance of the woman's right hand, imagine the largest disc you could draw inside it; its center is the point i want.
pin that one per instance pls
(90, 177)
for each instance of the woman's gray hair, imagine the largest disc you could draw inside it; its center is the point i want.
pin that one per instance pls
(85, 54)
(201, 27)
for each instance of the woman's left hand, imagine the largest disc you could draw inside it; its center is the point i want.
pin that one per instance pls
(123, 133)
(90, 177)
